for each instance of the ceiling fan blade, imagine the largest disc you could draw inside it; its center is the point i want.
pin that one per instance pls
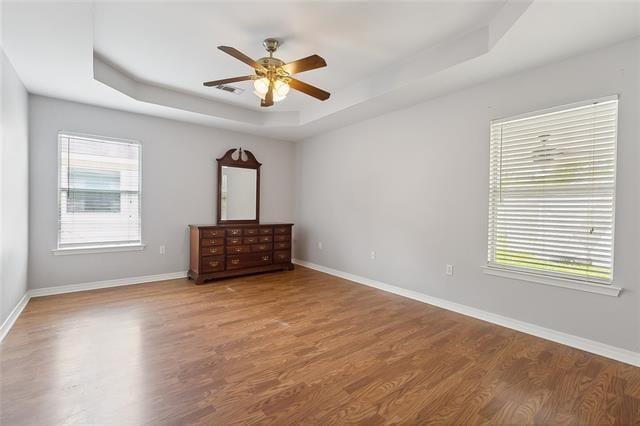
(308, 89)
(228, 80)
(241, 57)
(305, 64)
(268, 99)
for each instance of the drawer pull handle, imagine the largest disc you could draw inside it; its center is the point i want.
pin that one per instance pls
(235, 261)
(238, 249)
(213, 264)
(265, 257)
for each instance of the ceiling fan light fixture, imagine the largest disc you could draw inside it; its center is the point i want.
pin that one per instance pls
(261, 86)
(281, 89)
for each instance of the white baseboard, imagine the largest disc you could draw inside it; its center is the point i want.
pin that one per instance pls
(613, 352)
(48, 291)
(13, 316)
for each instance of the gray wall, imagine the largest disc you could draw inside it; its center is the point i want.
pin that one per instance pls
(14, 182)
(413, 186)
(178, 184)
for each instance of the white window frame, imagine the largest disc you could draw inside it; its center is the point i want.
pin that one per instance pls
(102, 248)
(549, 279)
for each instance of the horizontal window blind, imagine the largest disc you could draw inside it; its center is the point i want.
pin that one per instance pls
(98, 192)
(551, 192)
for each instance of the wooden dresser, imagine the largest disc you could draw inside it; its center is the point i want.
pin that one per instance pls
(220, 251)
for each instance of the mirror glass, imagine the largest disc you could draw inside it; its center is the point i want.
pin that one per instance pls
(239, 188)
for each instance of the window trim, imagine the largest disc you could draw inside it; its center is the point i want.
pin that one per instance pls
(550, 278)
(573, 284)
(98, 248)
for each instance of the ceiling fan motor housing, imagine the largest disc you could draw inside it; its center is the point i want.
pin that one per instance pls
(274, 70)
(271, 64)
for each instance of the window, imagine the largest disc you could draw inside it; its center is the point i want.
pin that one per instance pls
(99, 193)
(93, 191)
(552, 192)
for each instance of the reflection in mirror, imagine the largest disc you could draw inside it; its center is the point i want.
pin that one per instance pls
(239, 188)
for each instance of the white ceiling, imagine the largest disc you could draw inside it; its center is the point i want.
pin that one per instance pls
(152, 57)
(174, 44)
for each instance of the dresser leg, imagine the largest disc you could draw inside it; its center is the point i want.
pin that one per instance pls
(198, 280)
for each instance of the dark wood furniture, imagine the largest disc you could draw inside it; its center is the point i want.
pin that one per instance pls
(220, 251)
(238, 244)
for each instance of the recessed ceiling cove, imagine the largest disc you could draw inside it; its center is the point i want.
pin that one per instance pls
(153, 57)
(371, 47)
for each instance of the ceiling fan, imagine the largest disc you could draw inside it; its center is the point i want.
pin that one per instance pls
(272, 79)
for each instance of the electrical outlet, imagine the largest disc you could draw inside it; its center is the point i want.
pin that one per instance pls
(163, 249)
(372, 255)
(449, 269)
(319, 245)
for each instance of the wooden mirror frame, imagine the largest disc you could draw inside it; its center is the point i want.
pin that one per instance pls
(250, 163)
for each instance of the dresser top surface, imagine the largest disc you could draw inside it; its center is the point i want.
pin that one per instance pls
(242, 225)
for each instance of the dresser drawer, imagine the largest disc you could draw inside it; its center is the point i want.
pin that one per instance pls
(238, 249)
(212, 233)
(206, 242)
(261, 247)
(212, 250)
(265, 238)
(266, 231)
(248, 260)
(283, 230)
(250, 231)
(250, 240)
(234, 241)
(282, 237)
(282, 256)
(212, 263)
(282, 245)
(234, 232)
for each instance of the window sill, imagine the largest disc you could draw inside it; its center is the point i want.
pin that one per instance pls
(98, 249)
(607, 290)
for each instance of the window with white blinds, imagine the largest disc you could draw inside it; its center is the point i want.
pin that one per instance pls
(552, 192)
(99, 192)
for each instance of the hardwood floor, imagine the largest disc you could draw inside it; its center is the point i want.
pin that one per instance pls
(291, 347)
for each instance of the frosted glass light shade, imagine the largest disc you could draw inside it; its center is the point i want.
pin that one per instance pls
(281, 89)
(261, 86)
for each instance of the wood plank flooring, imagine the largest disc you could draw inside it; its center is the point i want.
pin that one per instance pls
(291, 348)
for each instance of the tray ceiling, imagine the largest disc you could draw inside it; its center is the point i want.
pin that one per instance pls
(152, 57)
